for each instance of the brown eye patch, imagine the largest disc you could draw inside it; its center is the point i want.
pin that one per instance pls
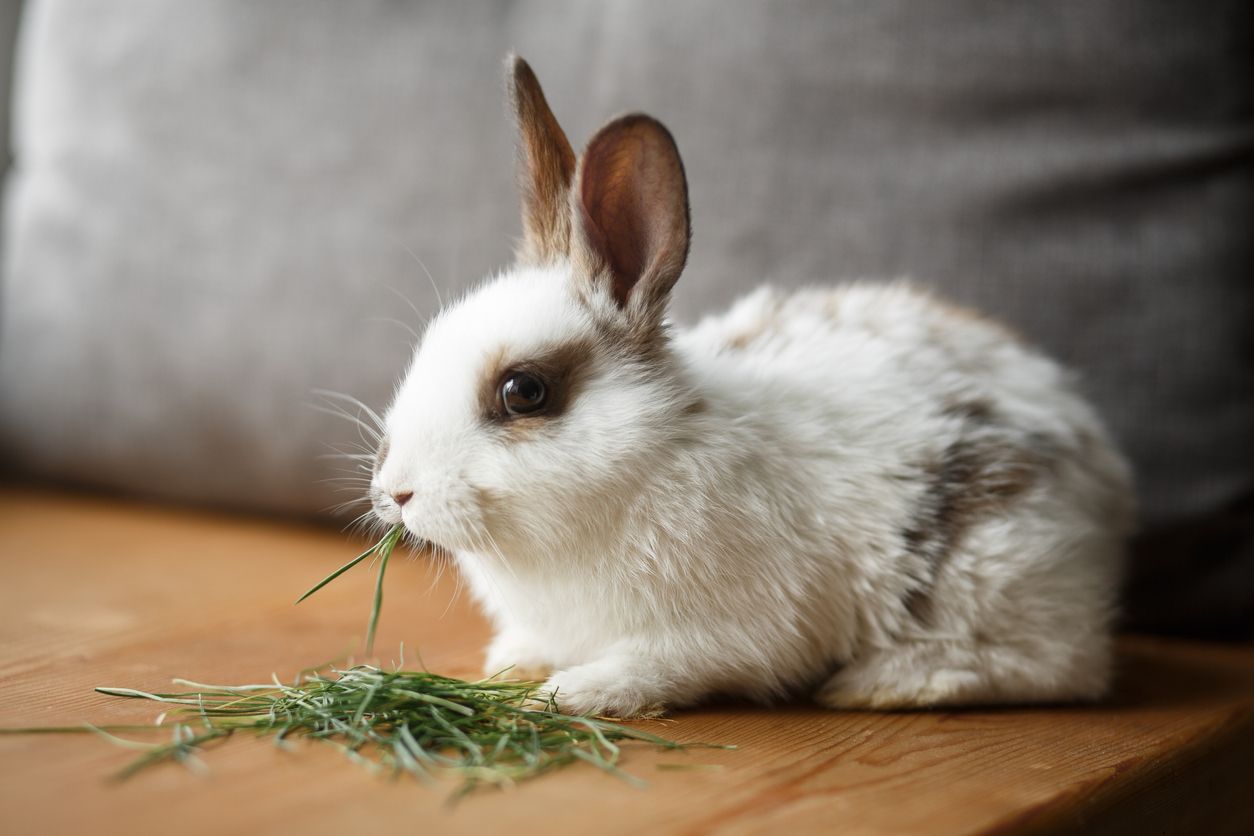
(524, 395)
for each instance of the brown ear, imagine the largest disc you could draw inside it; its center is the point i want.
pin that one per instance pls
(546, 166)
(631, 208)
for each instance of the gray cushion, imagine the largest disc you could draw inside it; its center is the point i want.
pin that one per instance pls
(10, 15)
(214, 200)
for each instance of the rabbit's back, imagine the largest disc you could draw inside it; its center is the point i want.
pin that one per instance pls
(975, 492)
(897, 366)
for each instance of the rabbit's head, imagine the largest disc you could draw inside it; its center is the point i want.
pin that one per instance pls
(535, 403)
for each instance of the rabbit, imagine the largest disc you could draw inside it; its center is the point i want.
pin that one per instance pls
(860, 494)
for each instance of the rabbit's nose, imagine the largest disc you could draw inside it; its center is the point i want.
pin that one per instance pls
(401, 498)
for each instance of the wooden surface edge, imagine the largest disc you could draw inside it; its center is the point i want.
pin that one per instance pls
(1206, 785)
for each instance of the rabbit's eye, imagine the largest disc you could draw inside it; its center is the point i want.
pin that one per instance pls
(522, 393)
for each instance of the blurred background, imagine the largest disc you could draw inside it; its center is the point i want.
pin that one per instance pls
(215, 208)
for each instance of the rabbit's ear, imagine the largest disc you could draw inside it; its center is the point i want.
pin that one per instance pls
(546, 166)
(631, 213)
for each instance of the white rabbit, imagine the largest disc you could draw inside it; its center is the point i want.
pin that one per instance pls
(860, 493)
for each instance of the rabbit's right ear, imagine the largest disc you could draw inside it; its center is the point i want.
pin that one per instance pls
(546, 166)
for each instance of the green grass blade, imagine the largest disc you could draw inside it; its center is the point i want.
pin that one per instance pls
(86, 728)
(385, 548)
(349, 565)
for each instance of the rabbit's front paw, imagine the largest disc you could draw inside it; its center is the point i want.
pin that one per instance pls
(513, 656)
(604, 689)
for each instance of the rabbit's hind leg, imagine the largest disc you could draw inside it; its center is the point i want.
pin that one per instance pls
(935, 673)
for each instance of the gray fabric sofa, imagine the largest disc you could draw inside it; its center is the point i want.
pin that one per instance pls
(216, 207)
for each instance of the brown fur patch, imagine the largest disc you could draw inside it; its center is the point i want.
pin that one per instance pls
(546, 169)
(974, 412)
(769, 320)
(695, 407)
(974, 478)
(627, 338)
(563, 368)
(743, 339)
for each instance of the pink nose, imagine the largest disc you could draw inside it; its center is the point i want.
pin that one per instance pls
(402, 498)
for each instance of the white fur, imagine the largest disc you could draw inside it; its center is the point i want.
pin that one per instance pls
(728, 514)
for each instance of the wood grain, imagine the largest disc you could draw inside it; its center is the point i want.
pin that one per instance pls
(99, 592)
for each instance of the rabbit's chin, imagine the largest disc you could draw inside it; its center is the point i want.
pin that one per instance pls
(423, 542)
(386, 518)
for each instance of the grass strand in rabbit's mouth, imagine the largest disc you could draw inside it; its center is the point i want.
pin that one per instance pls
(383, 549)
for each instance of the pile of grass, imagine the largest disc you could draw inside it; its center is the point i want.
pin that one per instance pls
(403, 722)
(490, 732)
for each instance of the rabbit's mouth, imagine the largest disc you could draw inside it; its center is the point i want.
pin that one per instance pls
(424, 544)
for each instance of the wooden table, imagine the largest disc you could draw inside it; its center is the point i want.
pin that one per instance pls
(99, 592)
